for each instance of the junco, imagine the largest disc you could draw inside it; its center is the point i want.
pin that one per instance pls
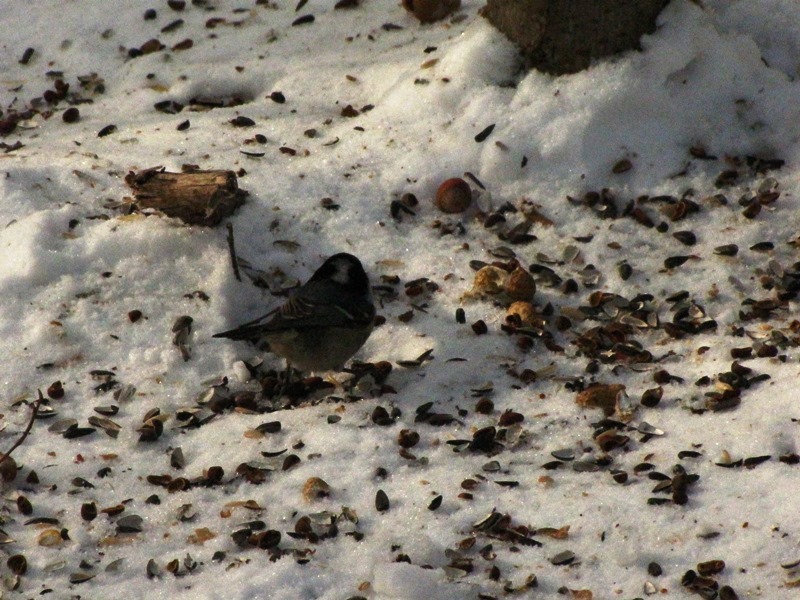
(324, 322)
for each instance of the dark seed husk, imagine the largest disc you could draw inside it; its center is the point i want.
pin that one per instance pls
(565, 454)
(762, 247)
(710, 567)
(408, 438)
(652, 397)
(75, 432)
(269, 427)
(381, 501)
(71, 115)
(727, 250)
(479, 327)
(673, 262)
(130, 524)
(689, 454)
(290, 461)
(435, 503)
(552, 465)
(563, 558)
(107, 130)
(88, 511)
(24, 505)
(17, 564)
(380, 416)
(685, 237)
(654, 569)
(658, 501)
(242, 121)
(751, 212)
(726, 592)
(753, 461)
(625, 271)
(742, 353)
(267, 539)
(485, 133)
(585, 466)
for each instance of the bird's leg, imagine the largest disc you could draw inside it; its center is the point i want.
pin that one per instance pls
(287, 379)
(288, 373)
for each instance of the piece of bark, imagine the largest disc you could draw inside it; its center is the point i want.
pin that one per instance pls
(565, 36)
(195, 197)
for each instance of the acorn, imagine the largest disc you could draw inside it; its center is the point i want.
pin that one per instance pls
(488, 281)
(428, 11)
(453, 196)
(316, 488)
(519, 285)
(525, 311)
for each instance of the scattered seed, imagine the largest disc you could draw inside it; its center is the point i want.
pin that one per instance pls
(290, 461)
(17, 564)
(304, 20)
(130, 524)
(269, 427)
(726, 592)
(408, 438)
(685, 237)
(673, 262)
(625, 271)
(381, 501)
(484, 406)
(752, 211)
(107, 130)
(479, 327)
(380, 416)
(622, 166)
(684, 454)
(762, 247)
(563, 558)
(710, 567)
(26, 56)
(485, 133)
(727, 250)
(71, 115)
(565, 454)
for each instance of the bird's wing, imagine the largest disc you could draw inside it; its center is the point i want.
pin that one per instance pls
(251, 329)
(301, 313)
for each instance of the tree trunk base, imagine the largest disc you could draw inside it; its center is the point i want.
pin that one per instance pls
(565, 36)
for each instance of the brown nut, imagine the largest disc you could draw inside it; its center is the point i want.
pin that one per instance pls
(488, 280)
(453, 196)
(520, 285)
(428, 11)
(525, 311)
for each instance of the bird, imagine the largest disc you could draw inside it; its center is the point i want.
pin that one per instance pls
(323, 323)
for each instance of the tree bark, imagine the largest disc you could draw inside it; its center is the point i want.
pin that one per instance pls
(195, 197)
(565, 36)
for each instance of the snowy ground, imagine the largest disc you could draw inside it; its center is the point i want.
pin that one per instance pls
(712, 87)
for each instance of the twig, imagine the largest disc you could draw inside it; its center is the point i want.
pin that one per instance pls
(231, 247)
(21, 438)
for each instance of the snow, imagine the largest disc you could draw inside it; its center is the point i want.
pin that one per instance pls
(721, 77)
